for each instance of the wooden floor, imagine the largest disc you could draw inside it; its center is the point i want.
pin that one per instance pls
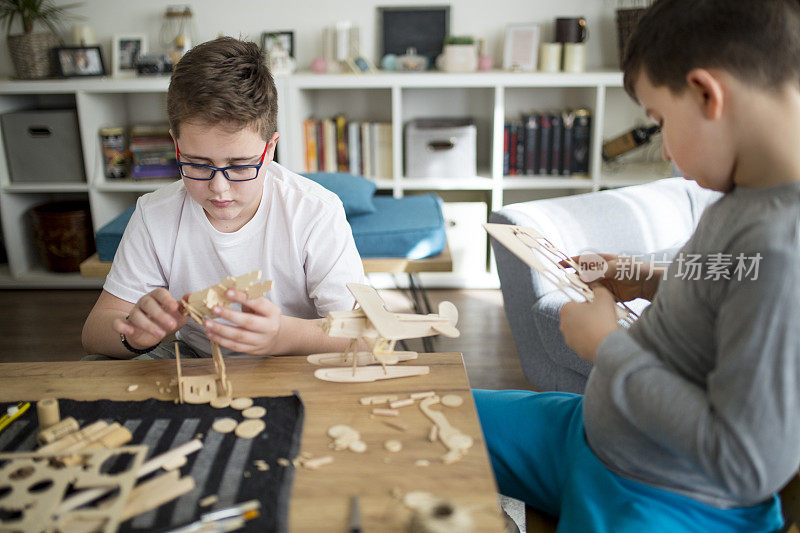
(46, 326)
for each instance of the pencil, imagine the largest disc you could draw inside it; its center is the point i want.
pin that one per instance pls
(12, 413)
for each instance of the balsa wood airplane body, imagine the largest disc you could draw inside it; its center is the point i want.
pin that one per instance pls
(380, 329)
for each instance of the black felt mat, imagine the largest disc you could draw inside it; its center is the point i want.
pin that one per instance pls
(218, 468)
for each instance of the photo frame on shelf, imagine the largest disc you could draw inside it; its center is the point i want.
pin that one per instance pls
(79, 61)
(125, 52)
(423, 28)
(282, 39)
(521, 48)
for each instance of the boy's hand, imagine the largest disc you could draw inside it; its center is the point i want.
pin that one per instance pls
(156, 315)
(626, 277)
(585, 325)
(256, 328)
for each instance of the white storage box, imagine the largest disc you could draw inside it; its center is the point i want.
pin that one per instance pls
(441, 148)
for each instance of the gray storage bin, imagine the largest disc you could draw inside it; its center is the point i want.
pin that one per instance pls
(441, 148)
(43, 146)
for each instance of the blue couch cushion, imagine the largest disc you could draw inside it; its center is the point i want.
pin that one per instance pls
(108, 236)
(410, 227)
(354, 191)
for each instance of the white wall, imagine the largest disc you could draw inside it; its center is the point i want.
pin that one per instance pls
(248, 18)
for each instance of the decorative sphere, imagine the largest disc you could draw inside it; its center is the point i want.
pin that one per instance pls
(389, 62)
(319, 65)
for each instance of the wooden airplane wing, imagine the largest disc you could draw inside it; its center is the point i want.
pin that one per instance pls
(539, 253)
(384, 321)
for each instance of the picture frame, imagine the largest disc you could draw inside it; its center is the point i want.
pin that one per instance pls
(521, 50)
(125, 51)
(79, 61)
(423, 28)
(285, 39)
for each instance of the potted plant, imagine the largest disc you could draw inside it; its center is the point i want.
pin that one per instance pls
(30, 51)
(459, 54)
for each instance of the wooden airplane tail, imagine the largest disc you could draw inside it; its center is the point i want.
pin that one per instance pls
(448, 310)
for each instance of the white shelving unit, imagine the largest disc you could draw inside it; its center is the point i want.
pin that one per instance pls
(490, 98)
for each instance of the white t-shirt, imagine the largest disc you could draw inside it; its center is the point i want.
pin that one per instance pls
(298, 238)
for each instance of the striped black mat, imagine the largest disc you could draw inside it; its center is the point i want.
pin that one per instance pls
(224, 466)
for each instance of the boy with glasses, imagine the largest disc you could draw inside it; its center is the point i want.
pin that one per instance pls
(234, 211)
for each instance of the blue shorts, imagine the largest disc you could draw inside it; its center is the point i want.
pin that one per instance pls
(539, 454)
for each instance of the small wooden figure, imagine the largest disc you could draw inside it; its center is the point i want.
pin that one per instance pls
(199, 305)
(380, 329)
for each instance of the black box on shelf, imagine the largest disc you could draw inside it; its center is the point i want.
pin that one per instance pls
(43, 146)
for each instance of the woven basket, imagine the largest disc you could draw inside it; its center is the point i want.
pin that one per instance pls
(31, 54)
(627, 19)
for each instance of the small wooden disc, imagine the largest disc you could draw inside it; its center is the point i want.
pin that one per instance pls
(358, 446)
(250, 428)
(221, 402)
(224, 425)
(254, 412)
(241, 403)
(393, 446)
(452, 400)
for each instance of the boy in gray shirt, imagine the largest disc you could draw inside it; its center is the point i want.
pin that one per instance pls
(691, 418)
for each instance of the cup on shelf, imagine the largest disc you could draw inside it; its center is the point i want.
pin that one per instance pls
(550, 57)
(574, 57)
(571, 30)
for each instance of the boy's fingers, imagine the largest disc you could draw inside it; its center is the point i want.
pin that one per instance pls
(122, 326)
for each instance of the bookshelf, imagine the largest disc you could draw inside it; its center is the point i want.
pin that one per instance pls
(396, 98)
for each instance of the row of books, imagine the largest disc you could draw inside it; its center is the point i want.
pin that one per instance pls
(548, 144)
(338, 145)
(152, 152)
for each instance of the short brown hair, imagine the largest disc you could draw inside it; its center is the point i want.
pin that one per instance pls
(758, 41)
(224, 81)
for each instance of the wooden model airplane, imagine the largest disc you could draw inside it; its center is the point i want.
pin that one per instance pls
(205, 388)
(380, 329)
(536, 251)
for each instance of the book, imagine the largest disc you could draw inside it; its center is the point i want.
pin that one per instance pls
(366, 151)
(384, 166)
(310, 138)
(354, 145)
(342, 155)
(512, 149)
(556, 136)
(329, 136)
(545, 144)
(506, 153)
(581, 141)
(531, 122)
(567, 118)
(520, 148)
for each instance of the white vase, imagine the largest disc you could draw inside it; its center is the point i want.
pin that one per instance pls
(458, 58)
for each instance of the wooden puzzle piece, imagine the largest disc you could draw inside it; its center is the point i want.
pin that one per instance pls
(456, 442)
(36, 489)
(367, 374)
(363, 358)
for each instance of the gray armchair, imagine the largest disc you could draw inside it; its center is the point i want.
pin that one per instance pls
(654, 218)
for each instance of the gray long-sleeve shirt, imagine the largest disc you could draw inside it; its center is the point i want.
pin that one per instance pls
(702, 395)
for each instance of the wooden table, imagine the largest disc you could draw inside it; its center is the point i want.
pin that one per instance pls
(320, 498)
(92, 267)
